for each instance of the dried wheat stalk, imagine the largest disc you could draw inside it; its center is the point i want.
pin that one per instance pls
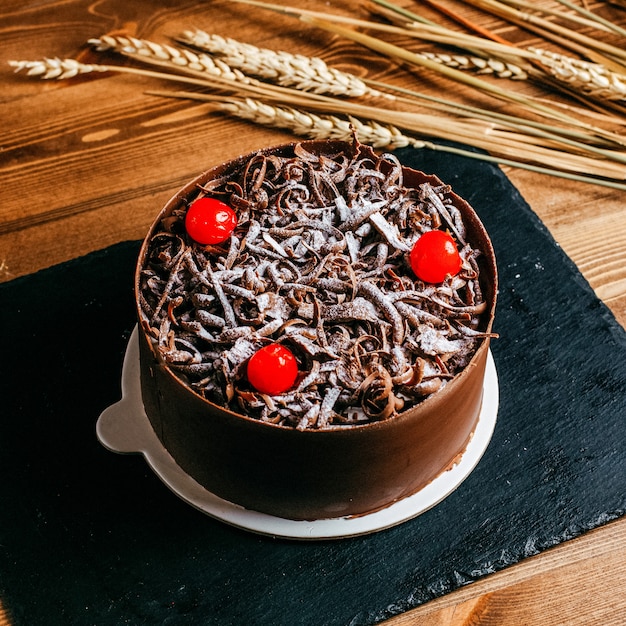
(209, 71)
(387, 135)
(170, 57)
(314, 75)
(290, 70)
(60, 69)
(572, 138)
(55, 68)
(593, 79)
(481, 65)
(318, 126)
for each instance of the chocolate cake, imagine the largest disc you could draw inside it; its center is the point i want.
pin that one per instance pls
(318, 349)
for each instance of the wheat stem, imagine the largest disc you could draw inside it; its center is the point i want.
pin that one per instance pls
(599, 20)
(580, 140)
(597, 50)
(578, 18)
(460, 19)
(594, 79)
(581, 17)
(425, 29)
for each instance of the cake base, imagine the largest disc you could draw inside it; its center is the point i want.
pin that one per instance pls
(124, 428)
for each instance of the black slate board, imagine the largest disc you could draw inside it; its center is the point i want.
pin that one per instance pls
(90, 537)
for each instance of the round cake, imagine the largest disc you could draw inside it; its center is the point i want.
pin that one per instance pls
(314, 325)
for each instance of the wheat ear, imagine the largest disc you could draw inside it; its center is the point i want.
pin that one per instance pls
(172, 58)
(593, 79)
(289, 70)
(481, 65)
(60, 69)
(55, 68)
(318, 126)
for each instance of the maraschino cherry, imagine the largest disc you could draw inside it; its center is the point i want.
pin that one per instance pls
(210, 221)
(434, 256)
(273, 369)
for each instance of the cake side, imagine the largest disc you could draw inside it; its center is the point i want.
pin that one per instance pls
(311, 474)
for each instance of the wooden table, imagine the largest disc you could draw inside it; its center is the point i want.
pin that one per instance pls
(86, 163)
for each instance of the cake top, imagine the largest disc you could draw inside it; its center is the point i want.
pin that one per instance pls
(320, 267)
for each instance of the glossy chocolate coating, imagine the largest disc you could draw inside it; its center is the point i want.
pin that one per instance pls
(317, 474)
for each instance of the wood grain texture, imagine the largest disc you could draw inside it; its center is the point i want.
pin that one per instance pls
(88, 162)
(542, 590)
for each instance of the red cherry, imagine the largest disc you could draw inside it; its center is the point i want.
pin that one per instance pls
(272, 369)
(209, 220)
(434, 256)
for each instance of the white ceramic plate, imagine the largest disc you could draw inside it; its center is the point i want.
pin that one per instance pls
(125, 428)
